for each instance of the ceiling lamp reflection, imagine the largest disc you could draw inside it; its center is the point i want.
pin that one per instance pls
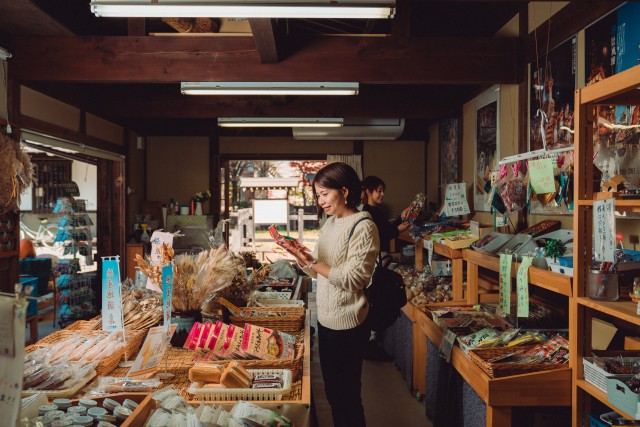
(272, 122)
(310, 9)
(269, 88)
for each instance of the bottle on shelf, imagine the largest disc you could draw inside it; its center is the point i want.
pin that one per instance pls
(144, 237)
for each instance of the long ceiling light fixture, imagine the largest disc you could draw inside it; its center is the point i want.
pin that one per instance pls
(269, 88)
(311, 9)
(280, 122)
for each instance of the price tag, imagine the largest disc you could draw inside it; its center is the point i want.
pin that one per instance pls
(152, 351)
(522, 284)
(474, 228)
(428, 245)
(604, 230)
(455, 200)
(446, 345)
(505, 282)
(541, 175)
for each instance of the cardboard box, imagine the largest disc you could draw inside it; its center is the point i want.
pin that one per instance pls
(460, 242)
(601, 334)
(632, 343)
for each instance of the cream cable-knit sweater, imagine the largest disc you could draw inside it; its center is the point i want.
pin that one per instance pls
(340, 299)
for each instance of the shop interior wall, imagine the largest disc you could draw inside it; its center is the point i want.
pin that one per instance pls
(48, 109)
(104, 129)
(401, 165)
(135, 171)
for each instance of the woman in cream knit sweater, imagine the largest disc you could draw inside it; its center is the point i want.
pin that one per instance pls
(342, 262)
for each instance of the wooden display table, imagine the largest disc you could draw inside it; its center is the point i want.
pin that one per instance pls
(547, 388)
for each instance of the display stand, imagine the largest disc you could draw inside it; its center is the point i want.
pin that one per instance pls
(455, 255)
(549, 388)
(620, 89)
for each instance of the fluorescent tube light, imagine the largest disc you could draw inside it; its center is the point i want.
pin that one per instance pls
(272, 122)
(311, 9)
(4, 54)
(269, 88)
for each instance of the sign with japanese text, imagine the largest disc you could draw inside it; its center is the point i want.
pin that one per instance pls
(541, 176)
(455, 200)
(13, 314)
(151, 352)
(111, 296)
(505, 282)
(157, 239)
(167, 295)
(604, 230)
(522, 285)
(428, 245)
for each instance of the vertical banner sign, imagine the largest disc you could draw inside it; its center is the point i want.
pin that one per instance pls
(522, 284)
(455, 200)
(604, 230)
(111, 296)
(505, 282)
(13, 314)
(428, 245)
(167, 295)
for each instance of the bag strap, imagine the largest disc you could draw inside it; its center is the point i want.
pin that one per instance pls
(354, 228)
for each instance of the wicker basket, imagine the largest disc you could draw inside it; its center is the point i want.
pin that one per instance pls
(106, 365)
(283, 319)
(228, 394)
(484, 359)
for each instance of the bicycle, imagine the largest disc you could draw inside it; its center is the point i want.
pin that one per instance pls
(45, 236)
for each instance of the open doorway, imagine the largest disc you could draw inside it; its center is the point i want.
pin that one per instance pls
(257, 193)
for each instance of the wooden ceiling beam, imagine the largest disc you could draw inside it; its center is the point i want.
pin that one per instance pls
(173, 59)
(264, 35)
(565, 23)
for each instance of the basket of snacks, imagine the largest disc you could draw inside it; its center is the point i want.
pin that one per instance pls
(285, 319)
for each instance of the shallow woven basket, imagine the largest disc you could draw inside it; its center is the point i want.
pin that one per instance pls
(106, 365)
(284, 319)
(482, 357)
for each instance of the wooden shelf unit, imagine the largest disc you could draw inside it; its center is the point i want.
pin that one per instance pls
(457, 263)
(619, 89)
(546, 388)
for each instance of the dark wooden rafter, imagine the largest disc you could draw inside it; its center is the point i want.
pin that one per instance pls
(565, 23)
(136, 27)
(264, 35)
(401, 26)
(172, 59)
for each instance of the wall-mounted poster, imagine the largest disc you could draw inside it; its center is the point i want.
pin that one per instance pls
(486, 158)
(553, 82)
(449, 152)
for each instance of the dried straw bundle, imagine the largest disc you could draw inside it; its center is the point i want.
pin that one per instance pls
(198, 276)
(17, 173)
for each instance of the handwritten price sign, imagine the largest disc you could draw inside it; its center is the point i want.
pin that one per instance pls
(455, 200)
(541, 173)
(604, 230)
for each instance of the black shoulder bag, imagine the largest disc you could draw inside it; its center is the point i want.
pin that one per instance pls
(386, 294)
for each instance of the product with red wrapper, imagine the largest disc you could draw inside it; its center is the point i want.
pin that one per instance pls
(285, 241)
(415, 207)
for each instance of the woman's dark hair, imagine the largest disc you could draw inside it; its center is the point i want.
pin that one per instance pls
(337, 176)
(371, 183)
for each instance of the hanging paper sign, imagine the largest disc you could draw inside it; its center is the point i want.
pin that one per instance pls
(541, 176)
(474, 228)
(151, 352)
(522, 285)
(157, 239)
(455, 200)
(12, 327)
(505, 282)
(604, 230)
(167, 294)
(446, 345)
(428, 245)
(111, 297)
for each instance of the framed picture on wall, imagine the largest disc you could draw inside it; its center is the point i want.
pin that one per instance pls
(486, 153)
(450, 158)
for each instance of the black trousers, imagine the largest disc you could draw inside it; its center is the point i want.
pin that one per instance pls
(341, 353)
